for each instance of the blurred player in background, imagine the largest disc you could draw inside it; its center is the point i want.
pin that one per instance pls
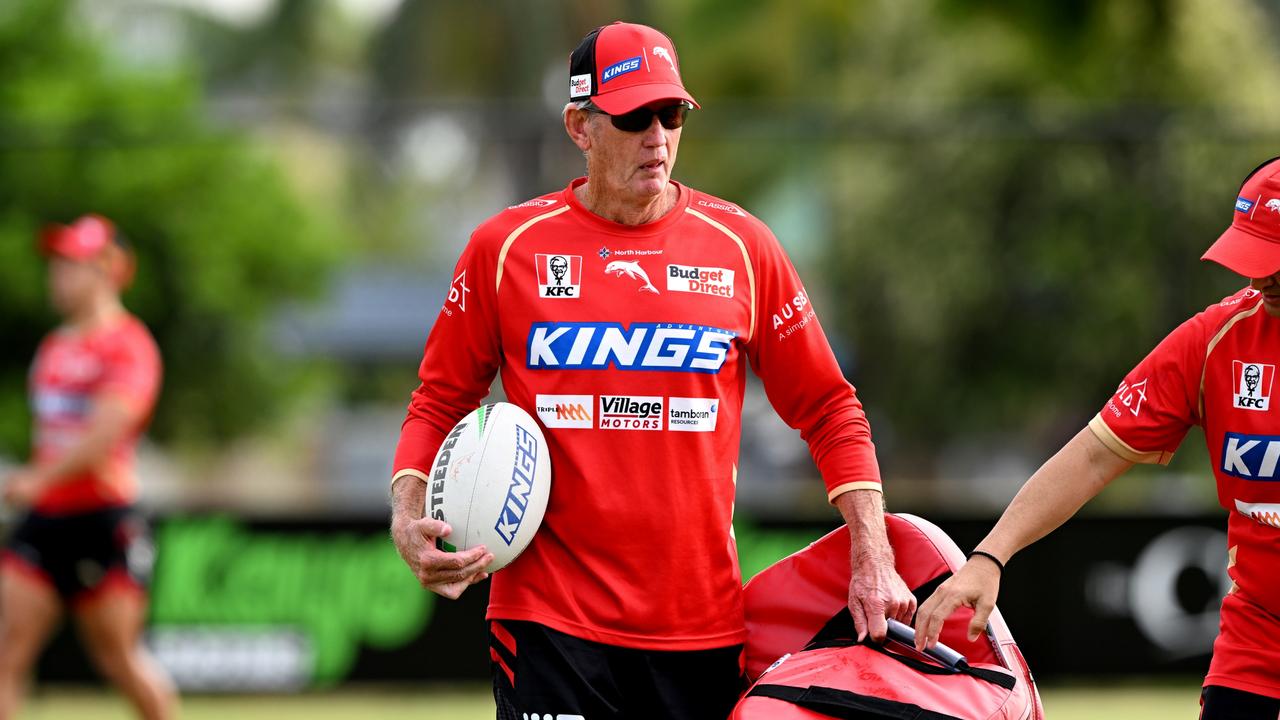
(1216, 370)
(622, 312)
(81, 545)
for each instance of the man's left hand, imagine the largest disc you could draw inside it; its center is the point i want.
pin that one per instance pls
(877, 593)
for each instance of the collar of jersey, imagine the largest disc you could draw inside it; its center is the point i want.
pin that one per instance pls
(648, 229)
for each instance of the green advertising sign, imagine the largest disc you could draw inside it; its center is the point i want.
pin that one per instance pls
(337, 590)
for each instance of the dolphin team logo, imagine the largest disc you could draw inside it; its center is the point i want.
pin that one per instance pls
(662, 53)
(1273, 205)
(1252, 385)
(622, 268)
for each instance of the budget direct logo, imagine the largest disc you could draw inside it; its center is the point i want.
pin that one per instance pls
(620, 68)
(669, 347)
(559, 276)
(692, 414)
(705, 280)
(565, 411)
(630, 412)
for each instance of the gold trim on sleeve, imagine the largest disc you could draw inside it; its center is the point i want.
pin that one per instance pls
(839, 490)
(506, 244)
(746, 260)
(1124, 449)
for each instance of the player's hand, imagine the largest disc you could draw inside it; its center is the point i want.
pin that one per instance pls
(23, 487)
(877, 593)
(975, 586)
(444, 573)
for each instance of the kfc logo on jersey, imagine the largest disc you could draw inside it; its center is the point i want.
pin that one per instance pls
(559, 276)
(692, 414)
(565, 411)
(622, 268)
(1252, 383)
(457, 294)
(1252, 457)
(629, 412)
(705, 280)
(668, 347)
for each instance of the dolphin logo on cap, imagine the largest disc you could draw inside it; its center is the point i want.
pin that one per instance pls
(662, 53)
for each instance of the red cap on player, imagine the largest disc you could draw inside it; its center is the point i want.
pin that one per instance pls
(1251, 246)
(623, 66)
(81, 240)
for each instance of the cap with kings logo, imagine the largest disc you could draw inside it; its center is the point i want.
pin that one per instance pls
(1251, 246)
(623, 66)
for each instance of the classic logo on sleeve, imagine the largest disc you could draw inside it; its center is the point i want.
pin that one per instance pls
(1252, 384)
(1252, 457)
(705, 280)
(559, 276)
(566, 411)
(692, 414)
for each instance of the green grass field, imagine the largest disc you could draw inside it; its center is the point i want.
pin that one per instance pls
(1064, 702)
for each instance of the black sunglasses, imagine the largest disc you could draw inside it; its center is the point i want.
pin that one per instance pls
(638, 120)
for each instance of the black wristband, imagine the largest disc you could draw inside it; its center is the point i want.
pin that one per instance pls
(990, 557)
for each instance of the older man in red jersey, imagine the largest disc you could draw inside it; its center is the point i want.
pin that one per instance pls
(1216, 370)
(81, 544)
(628, 289)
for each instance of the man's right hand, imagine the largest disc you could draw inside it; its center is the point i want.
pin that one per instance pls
(444, 573)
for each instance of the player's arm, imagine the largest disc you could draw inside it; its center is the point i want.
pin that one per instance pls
(111, 417)
(459, 362)
(1069, 479)
(874, 574)
(788, 343)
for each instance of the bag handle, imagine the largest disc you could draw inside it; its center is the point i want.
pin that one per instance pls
(839, 632)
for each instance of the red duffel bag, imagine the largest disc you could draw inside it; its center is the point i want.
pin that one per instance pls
(800, 632)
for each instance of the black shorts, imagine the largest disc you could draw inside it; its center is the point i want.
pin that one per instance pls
(543, 673)
(84, 553)
(1224, 703)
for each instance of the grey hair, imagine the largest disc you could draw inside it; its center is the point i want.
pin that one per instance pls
(579, 105)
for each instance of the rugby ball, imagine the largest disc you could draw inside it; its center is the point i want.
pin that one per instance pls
(490, 481)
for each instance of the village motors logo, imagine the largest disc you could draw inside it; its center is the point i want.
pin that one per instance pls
(630, 412)
(559, 276)
(565, 411)
(1252, 385)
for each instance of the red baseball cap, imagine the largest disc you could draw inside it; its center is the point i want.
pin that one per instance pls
(81, 240)
(1251, 246)
(623, 66)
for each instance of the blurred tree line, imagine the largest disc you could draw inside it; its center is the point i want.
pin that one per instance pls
(999, 205)
(220, 237)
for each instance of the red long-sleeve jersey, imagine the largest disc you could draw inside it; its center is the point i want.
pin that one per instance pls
(630, 344)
